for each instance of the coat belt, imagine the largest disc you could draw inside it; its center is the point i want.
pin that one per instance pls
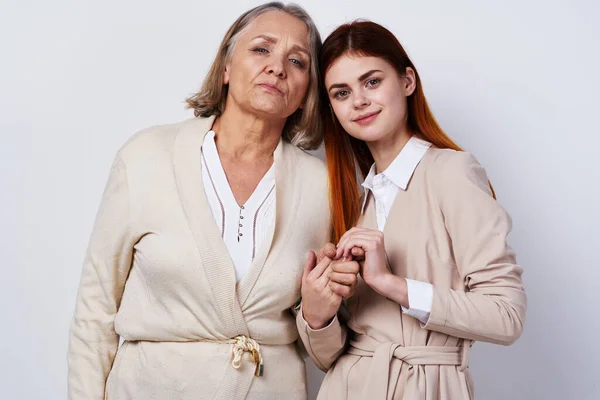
(378, 377)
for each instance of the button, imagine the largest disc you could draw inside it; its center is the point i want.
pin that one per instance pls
(241, 234)
(241, 225)
(242, 207)
(241, 217)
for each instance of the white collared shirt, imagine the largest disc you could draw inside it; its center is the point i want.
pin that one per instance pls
(243, 228)
(384, 187)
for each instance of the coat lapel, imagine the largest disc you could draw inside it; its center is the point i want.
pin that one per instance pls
(216, 261)
(286, 197)
(368, 219)
(395, 229)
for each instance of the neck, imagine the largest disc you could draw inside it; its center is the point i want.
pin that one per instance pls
(385, 150)
(245, 137)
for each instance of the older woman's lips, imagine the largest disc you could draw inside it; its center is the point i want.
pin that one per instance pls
(367, 118)
(270, 88)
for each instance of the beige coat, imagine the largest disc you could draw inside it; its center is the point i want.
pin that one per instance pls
(445, 229)
(158, 274)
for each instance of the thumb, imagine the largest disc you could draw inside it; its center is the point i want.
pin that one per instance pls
(310, 264)
(328, 250)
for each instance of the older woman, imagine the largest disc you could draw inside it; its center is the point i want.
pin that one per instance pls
(195, 257)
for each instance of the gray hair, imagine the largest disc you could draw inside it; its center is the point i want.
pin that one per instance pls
(304, 127)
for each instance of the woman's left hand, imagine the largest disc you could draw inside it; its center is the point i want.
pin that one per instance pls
(374, 268)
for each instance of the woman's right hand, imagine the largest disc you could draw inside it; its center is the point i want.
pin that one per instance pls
(324, 285)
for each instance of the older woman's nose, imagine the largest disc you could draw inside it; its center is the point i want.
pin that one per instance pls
(276, 67)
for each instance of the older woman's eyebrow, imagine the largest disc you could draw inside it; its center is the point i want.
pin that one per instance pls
(267, 38)
(301, 49)
(274, 40)
(360, 78)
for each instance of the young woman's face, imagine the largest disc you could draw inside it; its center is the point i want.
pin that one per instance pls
(368, 96)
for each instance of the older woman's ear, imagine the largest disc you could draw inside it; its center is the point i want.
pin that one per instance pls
(226, 75)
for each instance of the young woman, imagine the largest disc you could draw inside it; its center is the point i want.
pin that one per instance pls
(437, 271)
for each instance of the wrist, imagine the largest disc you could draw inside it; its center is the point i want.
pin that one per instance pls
(380, 283)
(314, 322)
(393, 287)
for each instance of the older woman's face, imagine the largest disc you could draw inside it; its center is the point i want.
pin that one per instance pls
(268, 74)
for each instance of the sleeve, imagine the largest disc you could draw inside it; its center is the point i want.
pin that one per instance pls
(323, 345)
(93, 341)
(420, 297)
(493, 307)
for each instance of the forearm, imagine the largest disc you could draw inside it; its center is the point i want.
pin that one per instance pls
(324, 345)
(393, 287)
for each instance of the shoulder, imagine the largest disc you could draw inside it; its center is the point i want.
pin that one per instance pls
(155, 142)
(154, 139)
(450, 166)
(451, 171)
(308, 164)
(452, 161)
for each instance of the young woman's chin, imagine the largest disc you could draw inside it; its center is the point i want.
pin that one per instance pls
(370, 134)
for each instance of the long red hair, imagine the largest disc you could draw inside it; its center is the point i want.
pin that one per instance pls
(346, 154)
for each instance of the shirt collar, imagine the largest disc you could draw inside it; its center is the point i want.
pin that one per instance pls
(219, 178)
(209, 149)
(402, 168)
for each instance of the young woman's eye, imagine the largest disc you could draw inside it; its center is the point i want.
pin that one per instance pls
(341, 94)
(373, 82)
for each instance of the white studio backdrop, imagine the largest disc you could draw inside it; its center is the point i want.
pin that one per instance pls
(515, 82)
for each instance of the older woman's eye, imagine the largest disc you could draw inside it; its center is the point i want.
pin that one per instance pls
(373, 82)
(298, 63)
(260, 50)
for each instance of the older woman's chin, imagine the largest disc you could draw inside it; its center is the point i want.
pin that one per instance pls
(274, 108)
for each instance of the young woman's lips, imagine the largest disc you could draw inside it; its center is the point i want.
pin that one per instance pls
(270, 88)
(367, 119)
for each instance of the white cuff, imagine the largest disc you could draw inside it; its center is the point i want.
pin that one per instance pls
(420, 297)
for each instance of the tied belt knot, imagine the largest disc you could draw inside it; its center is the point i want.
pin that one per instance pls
(240, 345)
(378, 377)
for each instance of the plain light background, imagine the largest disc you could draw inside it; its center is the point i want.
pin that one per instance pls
(515, 82)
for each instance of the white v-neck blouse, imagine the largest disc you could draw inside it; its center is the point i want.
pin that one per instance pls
(243, 228)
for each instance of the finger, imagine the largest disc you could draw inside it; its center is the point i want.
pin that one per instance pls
(366, 244)
(339, 251)
(343, 279)
(348, 267)
(323, 280)
(341, 290)
(321, 267)
(353, 230)
(346, 235)
(358, 253)
(361, 232)
(310, 264)
(328, 250)
(375, 239)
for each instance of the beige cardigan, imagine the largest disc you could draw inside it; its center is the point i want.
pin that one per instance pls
(158, 274)
(445, 229)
